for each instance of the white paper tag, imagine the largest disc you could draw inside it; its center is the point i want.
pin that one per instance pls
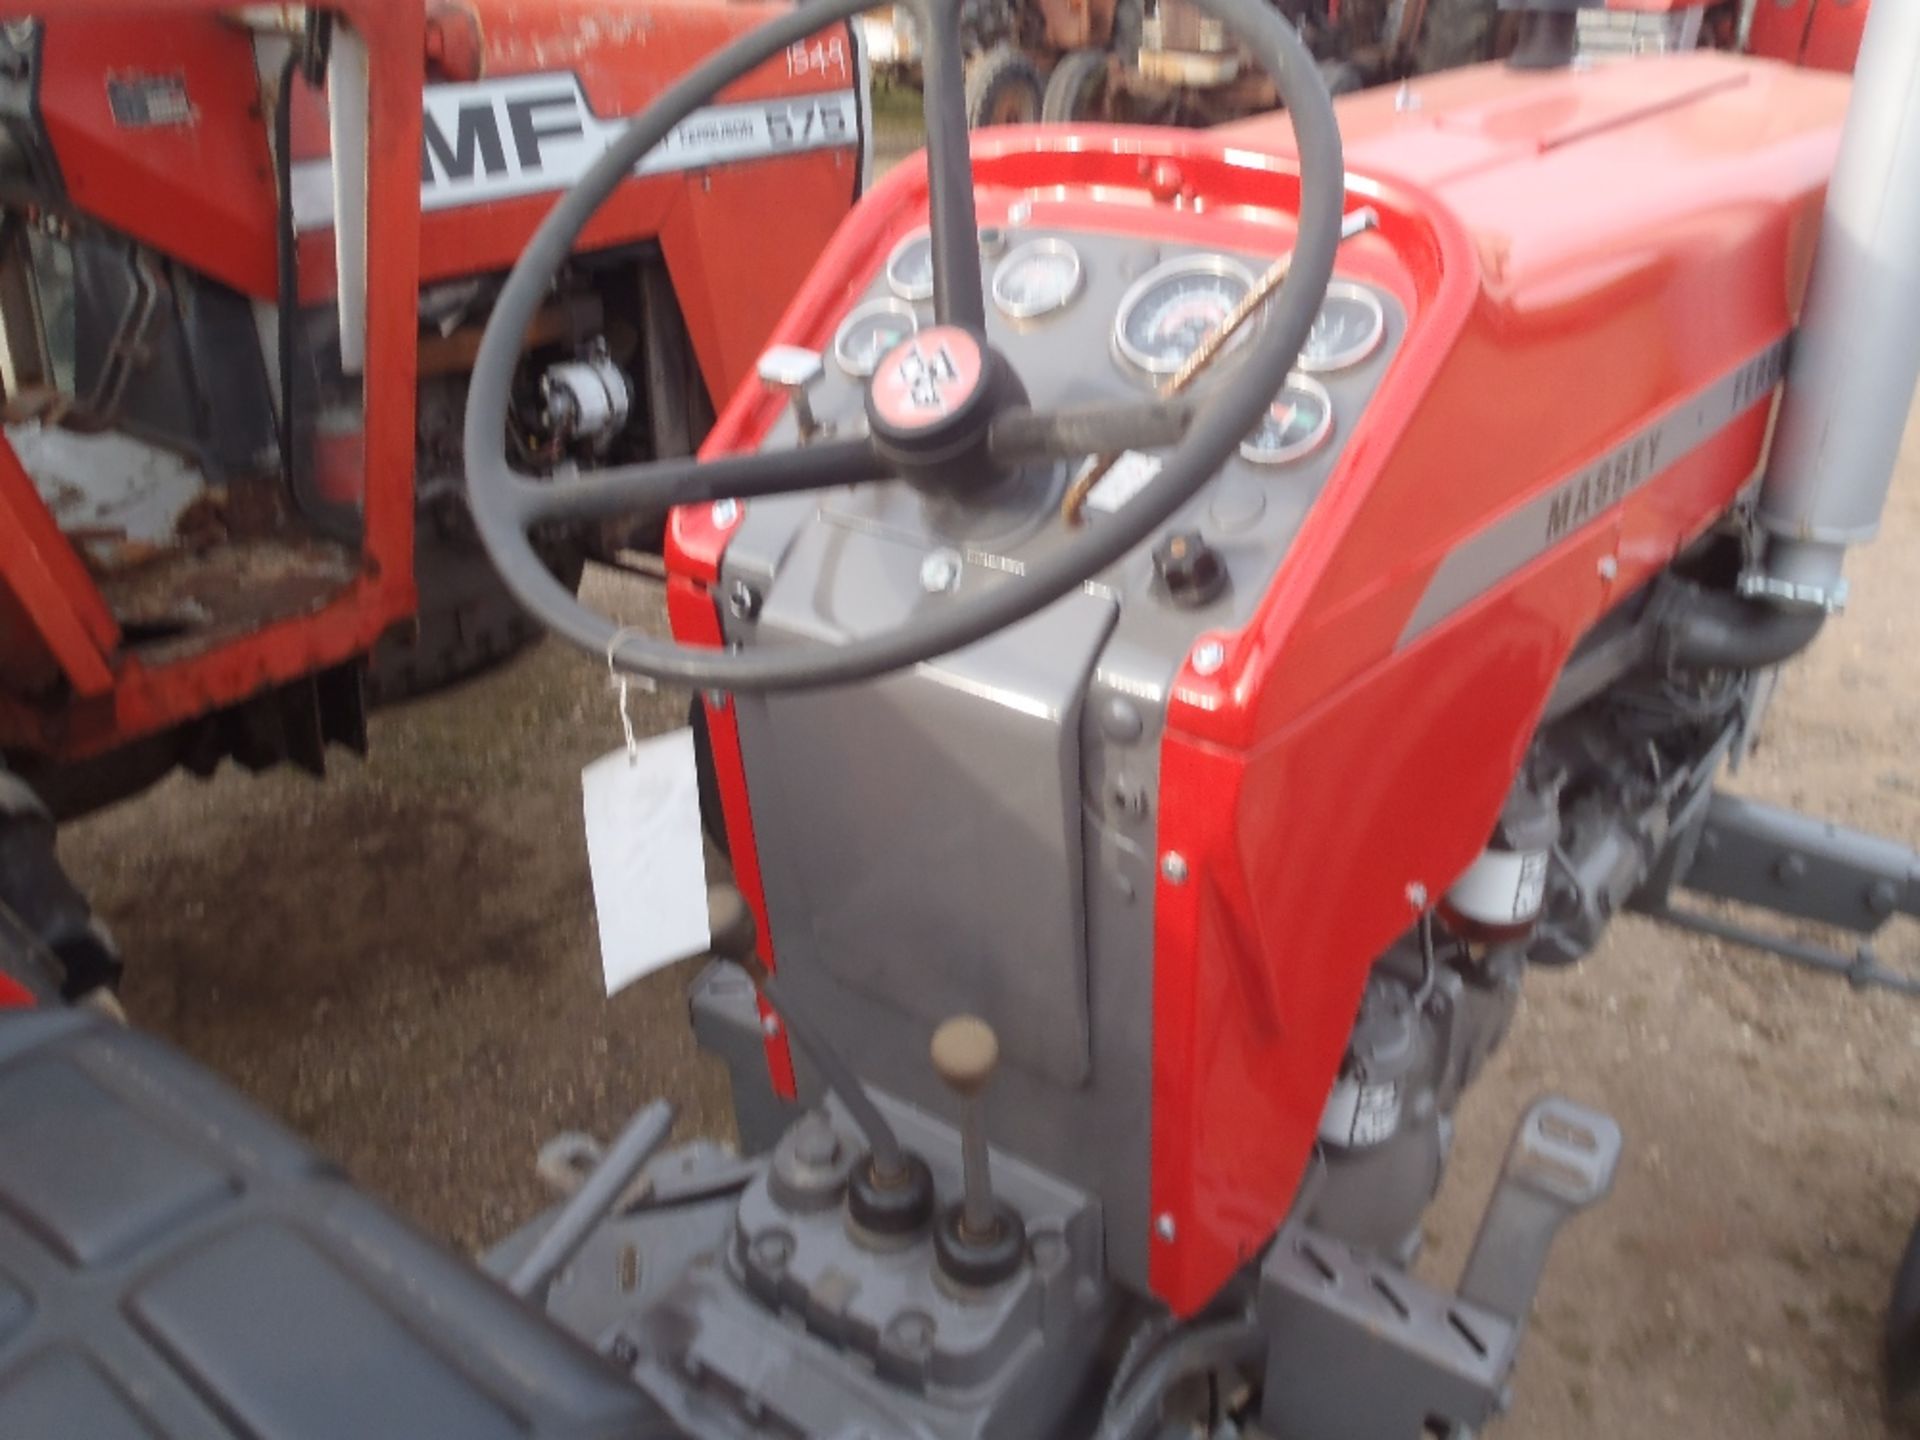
(1126, 479)
(645, 853)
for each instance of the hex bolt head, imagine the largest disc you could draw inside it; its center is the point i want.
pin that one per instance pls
(1609, 568)
(743, 600)
(940, 572)
(1165, 1229)
(725, 512)
(1208, 657)
(1173, 866)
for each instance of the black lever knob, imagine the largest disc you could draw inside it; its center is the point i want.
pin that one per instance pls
(1190, 570)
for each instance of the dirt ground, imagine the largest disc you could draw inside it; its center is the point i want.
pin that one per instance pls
(401, 963)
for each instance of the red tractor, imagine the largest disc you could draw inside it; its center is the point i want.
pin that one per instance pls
(1190, 621)
(242, 283)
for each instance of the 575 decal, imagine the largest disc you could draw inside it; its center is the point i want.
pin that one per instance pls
(533, 134)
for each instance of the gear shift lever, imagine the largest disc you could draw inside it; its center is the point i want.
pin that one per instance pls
(891, 1194)
(980, 1241)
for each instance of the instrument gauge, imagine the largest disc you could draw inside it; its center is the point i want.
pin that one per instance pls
(1298, 424)
(869, 332)
(910, 267)
(1350, 326)
(1170, 311)
(1038, 278)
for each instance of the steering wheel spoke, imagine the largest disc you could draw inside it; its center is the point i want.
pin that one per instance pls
(656, 486)
(1022, 437)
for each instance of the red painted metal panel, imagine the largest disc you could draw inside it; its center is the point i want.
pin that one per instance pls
(690, 608)
(201, 191)
(63, 621)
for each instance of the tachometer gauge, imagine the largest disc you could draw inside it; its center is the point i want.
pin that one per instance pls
(870, 331)
(1040, 277)
(1298, 424)
(1350, 326)
(1174, 307)
(910, 267)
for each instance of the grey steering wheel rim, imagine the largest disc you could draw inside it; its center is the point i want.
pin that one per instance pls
(504, 504)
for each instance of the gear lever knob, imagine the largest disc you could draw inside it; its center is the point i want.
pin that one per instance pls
(965, 1054)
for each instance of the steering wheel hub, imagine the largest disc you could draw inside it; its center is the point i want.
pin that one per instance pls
(927, 384)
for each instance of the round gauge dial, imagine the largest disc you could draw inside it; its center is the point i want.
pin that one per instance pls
(1174, 307)
(1350, 326)
(910, 267)
(1298, 423)
(1040, 277)
(869, 332)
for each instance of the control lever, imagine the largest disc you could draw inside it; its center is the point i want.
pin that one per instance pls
(794, 370)
(892, 1193)
(980, 1241)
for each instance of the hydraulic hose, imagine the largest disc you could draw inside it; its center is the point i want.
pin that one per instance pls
(1715, 630)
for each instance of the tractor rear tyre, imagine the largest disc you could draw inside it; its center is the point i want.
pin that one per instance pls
(1077, 89)
(1903, 1344)
(1003, 88)
(466, 621)
(1456, 33)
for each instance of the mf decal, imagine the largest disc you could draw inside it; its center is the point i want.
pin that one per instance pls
(536, 134)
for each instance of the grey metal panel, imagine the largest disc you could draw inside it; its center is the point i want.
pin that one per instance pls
(904, 804)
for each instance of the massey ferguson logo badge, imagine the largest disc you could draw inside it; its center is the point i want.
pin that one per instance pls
(927, 378)
(537, 134)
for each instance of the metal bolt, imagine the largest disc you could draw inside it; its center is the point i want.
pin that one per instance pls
(1173, 865)
(1165, 1228)
(1208, 657)
(725, 512)
(912, 1331)
(772, 1249)
(1609, 568)
(940, 572)
(743, 600)
(770, 1025)
(1417, 895)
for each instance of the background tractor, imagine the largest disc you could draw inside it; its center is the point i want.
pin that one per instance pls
(240, 297)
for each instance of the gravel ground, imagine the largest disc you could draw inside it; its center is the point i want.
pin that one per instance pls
(401, 962)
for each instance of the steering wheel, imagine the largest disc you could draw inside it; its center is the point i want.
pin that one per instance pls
(945, 412)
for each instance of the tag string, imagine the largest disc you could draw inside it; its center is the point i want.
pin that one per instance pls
(623, 686)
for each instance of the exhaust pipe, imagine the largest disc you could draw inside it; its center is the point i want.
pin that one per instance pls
(1855, 364)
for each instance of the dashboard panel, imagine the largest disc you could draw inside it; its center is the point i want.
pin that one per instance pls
(1086, 318)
